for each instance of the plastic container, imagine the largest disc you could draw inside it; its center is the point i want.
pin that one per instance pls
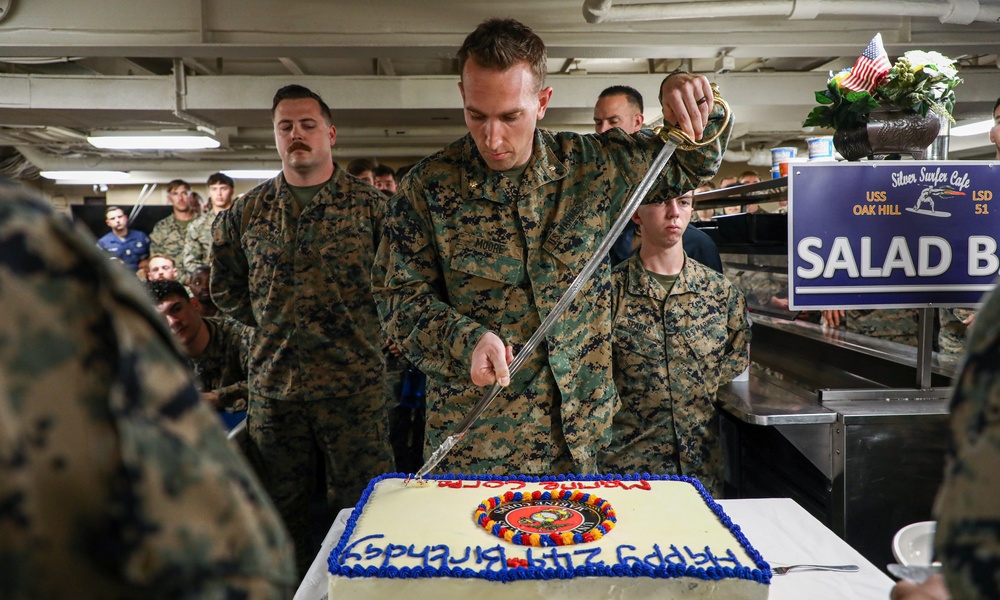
(780, 155)
(820, 148)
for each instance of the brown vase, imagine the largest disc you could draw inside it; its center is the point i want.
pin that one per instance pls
(889, 131)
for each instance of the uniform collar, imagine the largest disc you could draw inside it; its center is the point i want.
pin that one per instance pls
(481, 182)
(640, 283)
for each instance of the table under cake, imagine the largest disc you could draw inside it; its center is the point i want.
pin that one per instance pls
(780, 529)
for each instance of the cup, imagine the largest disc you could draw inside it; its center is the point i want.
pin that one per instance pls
(780, 155)
(820, 148)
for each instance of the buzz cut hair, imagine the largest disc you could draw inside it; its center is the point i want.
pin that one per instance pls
(300, 92)
(111, 209)
(996, 106)
(631, 94)
(500, 44)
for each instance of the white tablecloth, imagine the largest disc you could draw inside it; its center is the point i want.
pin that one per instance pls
(780, 529)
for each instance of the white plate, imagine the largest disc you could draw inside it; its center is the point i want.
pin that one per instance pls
(913, 545)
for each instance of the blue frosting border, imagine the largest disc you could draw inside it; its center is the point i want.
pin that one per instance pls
(762, 574)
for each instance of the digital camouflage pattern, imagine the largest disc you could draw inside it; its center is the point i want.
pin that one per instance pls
(968, 513)
(303, 281)
(894, 324)
(317, 374)
(116, 482)
(197, 243)
(168, 238)
(671, 352)
(467, 251)
(951, 336)
(222, 367)
(349, 435)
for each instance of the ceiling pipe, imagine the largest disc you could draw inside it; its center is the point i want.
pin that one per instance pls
(49, 162)
(960, 12)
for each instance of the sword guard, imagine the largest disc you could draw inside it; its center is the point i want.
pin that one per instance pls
(670, 133)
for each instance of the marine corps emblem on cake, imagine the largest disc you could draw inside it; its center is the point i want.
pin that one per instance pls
(546, 518)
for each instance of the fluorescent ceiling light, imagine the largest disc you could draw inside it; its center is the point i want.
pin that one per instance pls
(974, 128)
(71, 177)
(252, 173)
(152, 140)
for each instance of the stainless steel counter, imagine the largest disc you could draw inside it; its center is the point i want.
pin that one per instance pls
(833, 419)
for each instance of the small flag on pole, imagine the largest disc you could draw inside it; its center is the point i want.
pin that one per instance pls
(870, 68)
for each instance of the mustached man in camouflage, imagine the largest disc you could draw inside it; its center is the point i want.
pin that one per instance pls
(483, 238)
(293, 258)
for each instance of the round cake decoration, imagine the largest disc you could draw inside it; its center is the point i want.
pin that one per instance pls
(545, 518)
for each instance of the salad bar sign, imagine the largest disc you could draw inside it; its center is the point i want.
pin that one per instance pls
(892, 234)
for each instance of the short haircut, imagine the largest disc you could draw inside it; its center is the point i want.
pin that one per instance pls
(499, 44)
(997, 105)
(300, 92)
(111, 209)
(176, 183)
(631, 94)
(161, 289)
(166, 256)
(360, 165)
(708, 184)
(383, 170)
(222, 178)
(201, 268)
(402, 171)
(749, 174)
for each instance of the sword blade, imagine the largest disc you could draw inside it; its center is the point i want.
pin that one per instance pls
(640, 192)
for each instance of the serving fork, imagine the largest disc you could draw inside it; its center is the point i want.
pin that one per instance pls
(785, 569)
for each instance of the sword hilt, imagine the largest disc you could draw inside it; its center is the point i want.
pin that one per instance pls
(683, 140)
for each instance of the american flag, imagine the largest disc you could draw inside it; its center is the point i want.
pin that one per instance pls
(870, 68)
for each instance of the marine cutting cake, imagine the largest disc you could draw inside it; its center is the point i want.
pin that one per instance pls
(574, 537)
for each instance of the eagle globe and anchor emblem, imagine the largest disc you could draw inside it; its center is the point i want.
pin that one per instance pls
(563, 518)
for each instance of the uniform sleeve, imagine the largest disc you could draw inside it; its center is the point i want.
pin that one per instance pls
(968, 513)
(737, 356)
(234, 397)
(152, 499)
(229, 280)
(190, 256)
(408, 285)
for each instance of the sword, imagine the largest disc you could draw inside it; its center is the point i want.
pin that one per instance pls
(673, 138)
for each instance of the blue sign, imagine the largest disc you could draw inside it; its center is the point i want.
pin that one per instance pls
(892, 234)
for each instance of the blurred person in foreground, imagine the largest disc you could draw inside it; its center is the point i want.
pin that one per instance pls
(116, 481)
(680, 331)
(967, 536)
(485, 236)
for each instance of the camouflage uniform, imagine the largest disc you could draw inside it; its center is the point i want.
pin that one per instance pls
(951, 337)
(222, 367)
(168, 237)
(115, 480)
(467, 252)
(671, 352)
(968, 513)
(893, 324)
(317, 380)
(197, 243)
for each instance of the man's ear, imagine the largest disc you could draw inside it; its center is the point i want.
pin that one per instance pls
(543, 101)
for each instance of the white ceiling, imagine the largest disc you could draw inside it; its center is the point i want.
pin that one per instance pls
(386, 67)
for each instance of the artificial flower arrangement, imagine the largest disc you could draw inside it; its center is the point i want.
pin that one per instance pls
(921, 81)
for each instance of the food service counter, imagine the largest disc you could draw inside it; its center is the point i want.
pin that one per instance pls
(832, 419)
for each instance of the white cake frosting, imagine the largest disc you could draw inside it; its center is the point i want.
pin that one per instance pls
(421, 541)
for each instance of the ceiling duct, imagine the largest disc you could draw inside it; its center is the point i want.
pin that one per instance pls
(959, 12)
